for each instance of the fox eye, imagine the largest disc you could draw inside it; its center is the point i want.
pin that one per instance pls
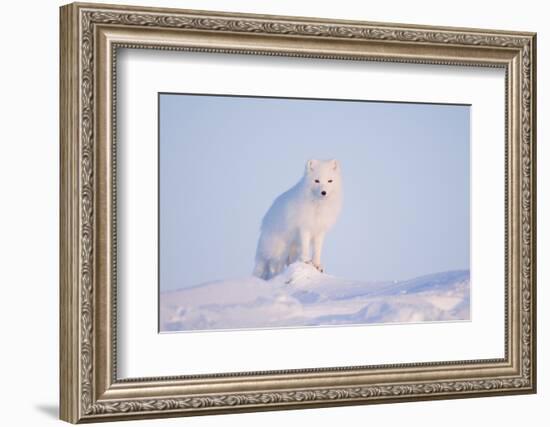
(317, 181)
(329, 181)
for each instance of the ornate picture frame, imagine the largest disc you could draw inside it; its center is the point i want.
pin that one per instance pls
(91, 34)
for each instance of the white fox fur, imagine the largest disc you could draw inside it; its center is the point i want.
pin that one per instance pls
(294, 227)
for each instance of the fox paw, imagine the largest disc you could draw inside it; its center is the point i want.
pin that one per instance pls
(319, 267)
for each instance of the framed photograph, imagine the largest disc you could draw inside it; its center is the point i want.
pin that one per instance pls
(266, 212)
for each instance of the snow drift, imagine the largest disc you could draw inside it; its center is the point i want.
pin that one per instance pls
(301, 296)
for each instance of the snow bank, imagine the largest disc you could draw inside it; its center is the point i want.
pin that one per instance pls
(301, 296)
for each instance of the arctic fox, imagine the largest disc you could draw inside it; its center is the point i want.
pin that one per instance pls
(294, 227)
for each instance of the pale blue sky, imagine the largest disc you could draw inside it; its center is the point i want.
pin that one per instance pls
(406, 179)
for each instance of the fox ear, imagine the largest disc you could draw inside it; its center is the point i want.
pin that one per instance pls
(311, 165)
(335, 164)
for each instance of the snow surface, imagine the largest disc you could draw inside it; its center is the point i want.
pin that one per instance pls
(302, 296)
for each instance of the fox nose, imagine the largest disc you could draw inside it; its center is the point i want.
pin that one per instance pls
(324, 193)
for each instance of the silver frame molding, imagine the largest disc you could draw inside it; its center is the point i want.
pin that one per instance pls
(90, 37)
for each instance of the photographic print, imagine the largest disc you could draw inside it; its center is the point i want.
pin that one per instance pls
(292, 212)
(309, 195)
